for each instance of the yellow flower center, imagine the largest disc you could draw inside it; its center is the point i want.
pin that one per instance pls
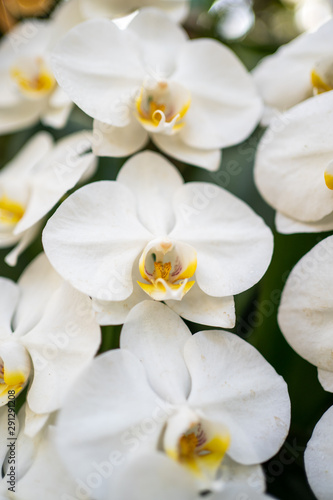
(202, 456)
(34, 80)
(10, 211)
(167, 268)
(162, 106)
(10, 381)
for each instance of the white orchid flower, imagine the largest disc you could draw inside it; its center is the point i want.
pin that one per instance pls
(177, 10)
(38, 470)
(318, 457)
(148, 234)
(54, 336)
(297, 71)
(35, 180)
(294, 166)
(191, 97)
(195, 399)
(305, 313)
(28, 89)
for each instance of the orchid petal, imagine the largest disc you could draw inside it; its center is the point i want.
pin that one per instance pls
(153, 181)
(104, 258)
(233, 244)
(306, 309)
(61, 345)
(255, 408)
(156, 335)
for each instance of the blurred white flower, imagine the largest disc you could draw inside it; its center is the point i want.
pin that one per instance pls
(191, 97)
(28, 89)
(54, 336)
(306, 310)
(38, 471)
(297, 71)
(35, 180)
(177, 10)
(318, 457)
(149, 234)
(294, 166)
(176, 399)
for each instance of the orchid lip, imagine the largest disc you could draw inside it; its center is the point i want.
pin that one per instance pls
(161, 106)
(167, 267)
(11, 212)
(196, 444)
(15, 367)
(33, 78)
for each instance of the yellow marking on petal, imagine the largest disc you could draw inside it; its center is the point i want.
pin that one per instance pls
(158, 287)
(152, 288)
(13, 378)
(37, 85)
(10, 211)
(189, 271)
(212, 453)
(4, 388)
(318, 83)
(328, 180)
(200, 459)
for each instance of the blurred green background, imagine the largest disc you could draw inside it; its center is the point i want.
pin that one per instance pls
(252, 30)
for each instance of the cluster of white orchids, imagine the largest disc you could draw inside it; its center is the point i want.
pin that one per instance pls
(169, 414)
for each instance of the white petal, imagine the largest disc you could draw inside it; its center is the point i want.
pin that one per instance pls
(233, 244)
(177, 10)
(56, 117)
(156, 335)
(174, 146)
(110, 415)
(55, 174)
(47, 476)
(239, 491)
(225, 106)
(37, 284)
(25, 239)
(161, 40)
(110, 140)
(252, 475)
(201, 308)
(287, 225)
(28, 38)
(21, 116)
(61, 345)
(326, 379)
(154, 476)
(100, 73)
(234, 385)
(33, 422)
(292, 158)
(93, 245)
(284, 79)
(9, 296)
(318, 457)
(29, 155)
(115, 313)
(153, 181)
(306, 309)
